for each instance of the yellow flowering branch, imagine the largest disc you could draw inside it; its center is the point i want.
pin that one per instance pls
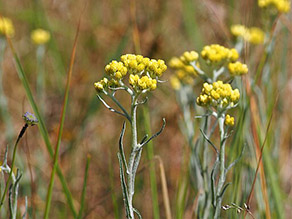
(137, 75)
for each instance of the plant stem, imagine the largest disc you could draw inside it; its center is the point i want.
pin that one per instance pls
(12, 164)
(40, 76)
(131, 174)
(206, 183)
(221, 166)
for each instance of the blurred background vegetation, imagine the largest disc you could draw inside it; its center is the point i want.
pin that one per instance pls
(109, 28)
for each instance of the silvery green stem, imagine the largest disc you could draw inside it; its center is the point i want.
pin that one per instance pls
(239, 45)
(40, 52)
(183, 99)
(132, 160)
(217, 73)
(207, 201)
(14, 195)
(221, 166)
(7, 169)
(184, 103)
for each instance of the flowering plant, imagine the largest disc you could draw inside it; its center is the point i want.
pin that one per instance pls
(137, 75)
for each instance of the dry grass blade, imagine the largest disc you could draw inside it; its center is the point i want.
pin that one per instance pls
(195, 204)
(259, 154)
(259, 151)
(164, 188)
(286, 23)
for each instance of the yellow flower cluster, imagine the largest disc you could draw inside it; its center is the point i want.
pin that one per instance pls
(253, 35)
(185, 72)
(100, 85)
(179, 64)
(6, 27)
(116, 70)
(218, 94)
(188, 57)
(282, 6)
(40, 36)
(237, 68)
(229, 120)
(217, 54)
(143, 73)
(137, 64)
(143, 83)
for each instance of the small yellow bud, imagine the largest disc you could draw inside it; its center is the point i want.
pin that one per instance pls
(215, 95)
(139, 58)
(176, 63)
(140, 67)
(233, 55)
(146, 61)
(133, 79)
(98, 86)
(133, 64)
(118, 75)
(229, 120)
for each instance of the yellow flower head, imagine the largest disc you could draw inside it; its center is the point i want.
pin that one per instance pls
(156, 67)
(116, 70)
(281, 6)
(238, 30)
(101, 85)
(144, 83)
(137, 64)
(176, 63)
(229, 120)
(218, 95)
(188, 57)
(6, 27)
(237, 68)
(218, 54)
(143, 73)
(185, 72)
(253, 35)
(40, 36)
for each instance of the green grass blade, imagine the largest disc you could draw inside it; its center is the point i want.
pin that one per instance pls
(61, 125)
(113, 194)
(41, 125)
(190, 23)
(150, 155)
(82, 201)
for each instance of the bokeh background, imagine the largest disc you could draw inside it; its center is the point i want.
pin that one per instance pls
(109, 28)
